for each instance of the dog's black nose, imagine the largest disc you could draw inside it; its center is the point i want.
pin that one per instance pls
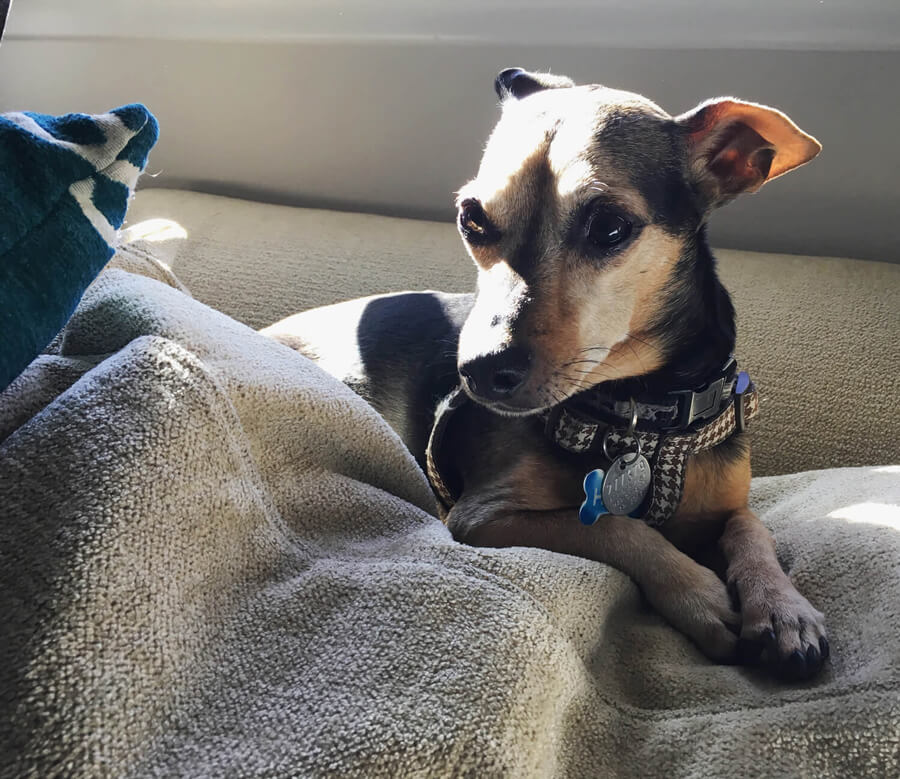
(497, 376)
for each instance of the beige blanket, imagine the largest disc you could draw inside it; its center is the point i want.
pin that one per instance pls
(217, 561)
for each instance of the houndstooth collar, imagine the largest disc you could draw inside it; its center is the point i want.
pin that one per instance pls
(677, 411)
(668, 429)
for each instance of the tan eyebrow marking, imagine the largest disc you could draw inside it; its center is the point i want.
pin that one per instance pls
(626, 198)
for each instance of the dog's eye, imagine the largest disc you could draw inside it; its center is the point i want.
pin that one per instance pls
(474, 224)
(605, 228)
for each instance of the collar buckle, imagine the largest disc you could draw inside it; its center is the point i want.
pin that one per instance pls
(699, 404)
(704, 403)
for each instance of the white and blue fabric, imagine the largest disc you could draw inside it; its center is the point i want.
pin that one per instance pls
(65, 183)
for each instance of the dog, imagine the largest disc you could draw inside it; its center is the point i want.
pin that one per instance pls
(585, 399)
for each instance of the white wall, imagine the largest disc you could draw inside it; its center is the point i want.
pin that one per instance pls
(691, 24)
(385, 106)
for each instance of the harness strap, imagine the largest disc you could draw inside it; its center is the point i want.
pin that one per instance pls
(666, 452)
(434, 465)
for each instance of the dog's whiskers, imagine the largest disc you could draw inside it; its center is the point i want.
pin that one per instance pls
(635, 351)
(639, 340)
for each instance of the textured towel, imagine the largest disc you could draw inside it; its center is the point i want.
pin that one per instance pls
(215, 560)
(65, 182)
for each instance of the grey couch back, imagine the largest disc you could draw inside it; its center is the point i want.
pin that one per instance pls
(385, 107)
(818, 335)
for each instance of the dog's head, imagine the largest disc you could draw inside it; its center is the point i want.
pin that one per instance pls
(585, 201)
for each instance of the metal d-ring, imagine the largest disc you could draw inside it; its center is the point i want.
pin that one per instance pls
(633, 424)
(628, 433)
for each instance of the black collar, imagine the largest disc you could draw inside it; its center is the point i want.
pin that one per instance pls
(677, 411)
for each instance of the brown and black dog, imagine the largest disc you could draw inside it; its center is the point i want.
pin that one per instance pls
(587, 223)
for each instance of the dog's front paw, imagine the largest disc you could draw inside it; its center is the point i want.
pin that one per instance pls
(469, 523)
(779, 626)
(697, 603)
(463, 525)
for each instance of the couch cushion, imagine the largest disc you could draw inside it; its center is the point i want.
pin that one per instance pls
(819, 335)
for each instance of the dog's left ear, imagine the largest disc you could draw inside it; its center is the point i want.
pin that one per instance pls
(735, 147)
(518, 83)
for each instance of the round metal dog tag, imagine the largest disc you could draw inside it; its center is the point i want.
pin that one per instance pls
(626, 483)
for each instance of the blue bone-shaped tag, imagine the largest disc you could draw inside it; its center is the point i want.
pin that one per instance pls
(592, 508)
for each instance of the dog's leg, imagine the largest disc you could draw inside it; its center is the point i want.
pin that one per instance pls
(692, 598)
(775, 617)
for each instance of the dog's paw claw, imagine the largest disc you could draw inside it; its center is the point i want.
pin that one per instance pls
(800, 666)
(782, 629)
(796, 663)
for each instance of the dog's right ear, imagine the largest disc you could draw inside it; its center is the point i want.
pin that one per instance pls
(734, 146)
(518, 83)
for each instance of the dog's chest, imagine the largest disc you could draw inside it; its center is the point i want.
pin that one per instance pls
(513, 458)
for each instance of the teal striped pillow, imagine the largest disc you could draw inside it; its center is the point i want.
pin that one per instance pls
(65, 182)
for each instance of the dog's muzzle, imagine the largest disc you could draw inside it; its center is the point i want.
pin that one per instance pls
(498, 376)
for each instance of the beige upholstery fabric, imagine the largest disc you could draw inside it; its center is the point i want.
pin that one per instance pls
(215, 560)
(820, 336)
